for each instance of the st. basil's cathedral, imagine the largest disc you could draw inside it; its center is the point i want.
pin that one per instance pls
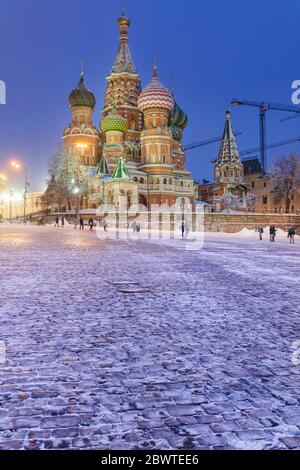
(137, 153)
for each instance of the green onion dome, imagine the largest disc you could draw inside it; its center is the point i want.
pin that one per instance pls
(176, 133)
(82, 96)
(178, 118)
(114, 122)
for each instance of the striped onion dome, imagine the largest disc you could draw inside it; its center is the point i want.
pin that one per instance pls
(176, 133)
(178, 118)
(114, 122)
(155, 95)
(82, 96)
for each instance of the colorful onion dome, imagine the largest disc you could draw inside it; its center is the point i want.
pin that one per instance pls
(114, 122)
(155, 95)
(176, 133)
(178, 118)
(82, 96)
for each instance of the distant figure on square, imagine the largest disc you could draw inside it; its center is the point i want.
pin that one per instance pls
(291, 234)
(260, 232)
(56, 222)
(91, 224)
(183, 229)
(272, 233)
(81, 224)
(62, 222)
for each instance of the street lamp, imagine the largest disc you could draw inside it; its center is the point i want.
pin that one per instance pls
(18, 166)
(2, 178)
(11, 193)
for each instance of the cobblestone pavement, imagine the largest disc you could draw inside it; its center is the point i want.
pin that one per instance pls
(204, 360)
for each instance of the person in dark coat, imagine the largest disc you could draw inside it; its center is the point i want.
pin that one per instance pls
(183, 229)
(81, 224)
(291, 234)
(272, 233)
(62, 222)
(56, 222)
(91, 224)
(260, 232)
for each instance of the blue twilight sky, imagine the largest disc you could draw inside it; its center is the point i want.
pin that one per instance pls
(216, 49)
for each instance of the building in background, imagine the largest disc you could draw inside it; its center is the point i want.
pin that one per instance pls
(262, 187)
(12, 204)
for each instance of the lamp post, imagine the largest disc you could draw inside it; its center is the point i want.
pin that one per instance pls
(4, 179)
(11, 193)
(18, 166)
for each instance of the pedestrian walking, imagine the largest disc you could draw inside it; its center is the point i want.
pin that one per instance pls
(260, 232)
(183, 229)
(291, 234)
(91, 224)
(56, 222)
(272, 233)
(134, 226)
(81, 224)
(62, 222)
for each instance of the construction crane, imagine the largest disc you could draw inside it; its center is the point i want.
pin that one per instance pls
(202, 143)
(264, 106)
(270, 146)
(290, 117)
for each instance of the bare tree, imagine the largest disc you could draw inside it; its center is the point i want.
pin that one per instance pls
(285, 175)
(67, 180)
(230, 201)
(57, 191)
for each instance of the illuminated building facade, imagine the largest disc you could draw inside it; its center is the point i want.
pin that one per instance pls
(137, 151)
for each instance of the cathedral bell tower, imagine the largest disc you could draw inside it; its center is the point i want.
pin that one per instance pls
(123, 89)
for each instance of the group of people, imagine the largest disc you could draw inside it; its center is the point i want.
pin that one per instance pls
(59, 222)
(273, 231)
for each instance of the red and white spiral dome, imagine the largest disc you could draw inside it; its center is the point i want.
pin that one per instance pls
(155, 95)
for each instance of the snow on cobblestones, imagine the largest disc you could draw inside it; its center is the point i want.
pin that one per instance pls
(201, 361)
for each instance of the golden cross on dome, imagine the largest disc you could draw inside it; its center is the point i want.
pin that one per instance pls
(155, 58)
(123, 8)
(155, 64)
(172, 80)
(81, 68)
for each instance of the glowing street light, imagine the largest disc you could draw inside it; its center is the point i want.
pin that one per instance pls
(17, 166)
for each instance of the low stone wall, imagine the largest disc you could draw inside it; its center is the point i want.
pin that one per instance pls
(232, 223)
(214, 222)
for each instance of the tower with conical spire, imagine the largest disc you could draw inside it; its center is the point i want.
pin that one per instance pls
(229, 168)
(123, 89)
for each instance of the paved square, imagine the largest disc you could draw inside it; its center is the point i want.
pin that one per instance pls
(204, 360)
